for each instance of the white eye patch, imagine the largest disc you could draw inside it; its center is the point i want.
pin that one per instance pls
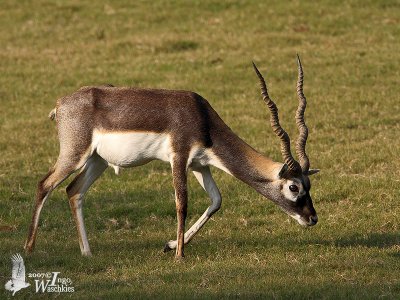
(293, 196)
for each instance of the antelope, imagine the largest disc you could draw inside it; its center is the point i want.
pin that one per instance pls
(122, 127)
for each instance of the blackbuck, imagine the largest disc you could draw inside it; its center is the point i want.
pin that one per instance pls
(127, 127)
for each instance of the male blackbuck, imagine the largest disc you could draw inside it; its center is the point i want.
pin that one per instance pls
(127, 127)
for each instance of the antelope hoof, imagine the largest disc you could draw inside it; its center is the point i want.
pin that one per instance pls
(86, 253)
(167, 247)
(179, 258)
(28, 248)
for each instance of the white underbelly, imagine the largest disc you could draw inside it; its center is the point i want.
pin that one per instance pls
(129, 149)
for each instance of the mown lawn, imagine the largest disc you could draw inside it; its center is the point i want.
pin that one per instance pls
(250, 249)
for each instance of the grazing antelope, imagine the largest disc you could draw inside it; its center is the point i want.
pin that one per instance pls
(127, 127)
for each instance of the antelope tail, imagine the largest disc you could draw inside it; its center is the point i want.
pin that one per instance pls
(52, 114)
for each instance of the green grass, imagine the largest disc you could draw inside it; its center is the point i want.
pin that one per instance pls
(250, 249)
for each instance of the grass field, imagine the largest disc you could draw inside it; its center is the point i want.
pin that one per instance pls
(250, 249)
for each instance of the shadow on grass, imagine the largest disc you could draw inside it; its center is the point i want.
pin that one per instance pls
(128, 241)
(371, 240)
(376, 240)
(208, 247)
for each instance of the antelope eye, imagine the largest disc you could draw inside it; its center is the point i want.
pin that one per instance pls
(293, 188)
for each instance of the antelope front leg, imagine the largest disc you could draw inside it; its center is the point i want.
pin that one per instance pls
(180, 184)
(204, 177)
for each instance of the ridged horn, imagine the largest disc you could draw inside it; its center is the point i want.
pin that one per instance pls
(276, 127)
(303, 130)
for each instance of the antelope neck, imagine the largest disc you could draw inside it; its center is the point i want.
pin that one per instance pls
(243, 161)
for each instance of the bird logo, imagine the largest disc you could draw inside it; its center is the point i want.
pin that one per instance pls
(17, 281)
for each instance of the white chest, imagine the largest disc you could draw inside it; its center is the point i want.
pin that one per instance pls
(129, 149)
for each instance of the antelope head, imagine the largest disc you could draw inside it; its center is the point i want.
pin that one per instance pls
(290, 189)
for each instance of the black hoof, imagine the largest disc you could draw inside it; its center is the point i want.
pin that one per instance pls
(167, 248)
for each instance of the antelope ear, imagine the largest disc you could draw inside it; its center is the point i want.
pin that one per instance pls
(312, 171)
(283, 170)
